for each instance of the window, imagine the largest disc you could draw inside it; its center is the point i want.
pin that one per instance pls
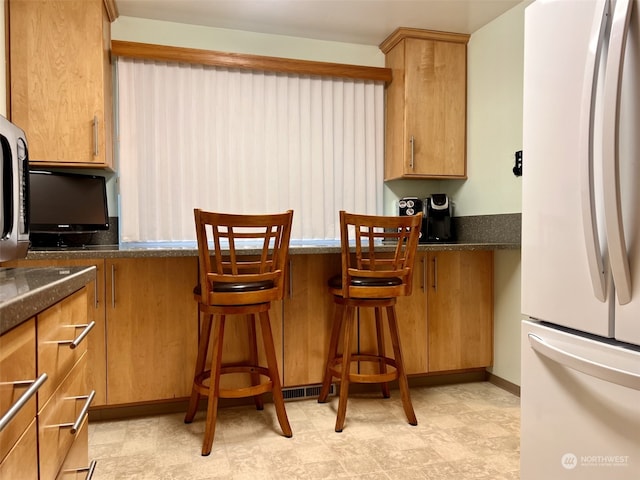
(244, 141)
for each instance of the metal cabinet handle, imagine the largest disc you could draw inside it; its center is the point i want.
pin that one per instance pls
(78, 340)
(24, 398)
(90, 469)
(424, 274)
(435, 273)
(95, 136)
(113, 286)
(75, 426)
(412, 142)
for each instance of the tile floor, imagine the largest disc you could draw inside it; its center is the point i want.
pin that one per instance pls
(465, 431)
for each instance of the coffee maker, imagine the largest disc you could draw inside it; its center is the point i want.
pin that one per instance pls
(438, 210)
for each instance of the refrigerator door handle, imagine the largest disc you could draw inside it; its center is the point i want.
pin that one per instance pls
(604, 372)
(618, 258)
(586, 152)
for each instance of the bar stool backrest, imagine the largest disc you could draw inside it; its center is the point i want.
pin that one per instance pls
(378, 254)
(228, 276)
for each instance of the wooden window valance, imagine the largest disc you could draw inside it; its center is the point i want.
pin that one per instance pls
(245, 61)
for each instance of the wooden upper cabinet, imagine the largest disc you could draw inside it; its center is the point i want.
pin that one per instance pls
(425, 134)
(61, 80)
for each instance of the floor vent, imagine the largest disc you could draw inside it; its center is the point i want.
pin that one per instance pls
(305, 392)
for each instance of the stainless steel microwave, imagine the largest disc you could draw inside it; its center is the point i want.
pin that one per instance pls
(14, 198)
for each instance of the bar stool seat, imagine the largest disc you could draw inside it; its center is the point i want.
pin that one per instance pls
(233, 285)
(374, 274)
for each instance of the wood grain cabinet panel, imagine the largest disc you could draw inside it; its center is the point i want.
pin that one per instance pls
(152, 328)
(308, 313)
(425, 134)
(460, 310)
(76, 463)
(22, 460)
(17, 371)
(55, 435)
(61, 80)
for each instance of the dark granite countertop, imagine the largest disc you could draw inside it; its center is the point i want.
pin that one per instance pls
(24, 292)
(190, 250)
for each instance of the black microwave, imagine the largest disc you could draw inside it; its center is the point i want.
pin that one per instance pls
(14, 198)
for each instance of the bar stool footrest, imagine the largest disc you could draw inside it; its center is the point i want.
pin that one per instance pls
(243, 392)
(335, 367)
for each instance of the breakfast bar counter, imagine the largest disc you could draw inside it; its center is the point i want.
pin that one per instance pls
(146, 250)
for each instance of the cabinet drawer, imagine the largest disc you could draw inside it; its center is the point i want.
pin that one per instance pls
(22, 460)
(58, 327)
(17, 372)
(55, 420)
(76, 464)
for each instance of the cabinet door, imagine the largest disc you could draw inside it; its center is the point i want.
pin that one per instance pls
(61, 80)
(411, 312)
(460, 310)
(152, 328)
(308, 314)
(435, 93)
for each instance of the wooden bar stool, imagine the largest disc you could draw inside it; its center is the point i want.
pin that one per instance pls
(233, 284)
(374, 274)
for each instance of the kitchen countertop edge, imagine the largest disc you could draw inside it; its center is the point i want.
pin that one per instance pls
(116, 251)
(22, 306)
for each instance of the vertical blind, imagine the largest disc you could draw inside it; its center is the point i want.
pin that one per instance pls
(242, 141)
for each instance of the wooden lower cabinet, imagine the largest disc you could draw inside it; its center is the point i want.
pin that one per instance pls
(36, 441)
(96, 342)
(459, 310)
(152, 328)
(144, 345)
(446, 324)
(308, 313)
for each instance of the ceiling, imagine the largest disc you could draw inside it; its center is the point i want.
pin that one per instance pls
(366, 22)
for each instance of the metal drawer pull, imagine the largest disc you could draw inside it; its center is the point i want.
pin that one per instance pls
(76, 425)
(15, 408)
(89, 470)
(74, 343)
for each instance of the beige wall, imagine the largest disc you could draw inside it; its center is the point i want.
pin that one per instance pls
(495, 60)
(235, 41)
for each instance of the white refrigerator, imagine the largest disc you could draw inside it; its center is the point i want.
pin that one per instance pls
(580, 390)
